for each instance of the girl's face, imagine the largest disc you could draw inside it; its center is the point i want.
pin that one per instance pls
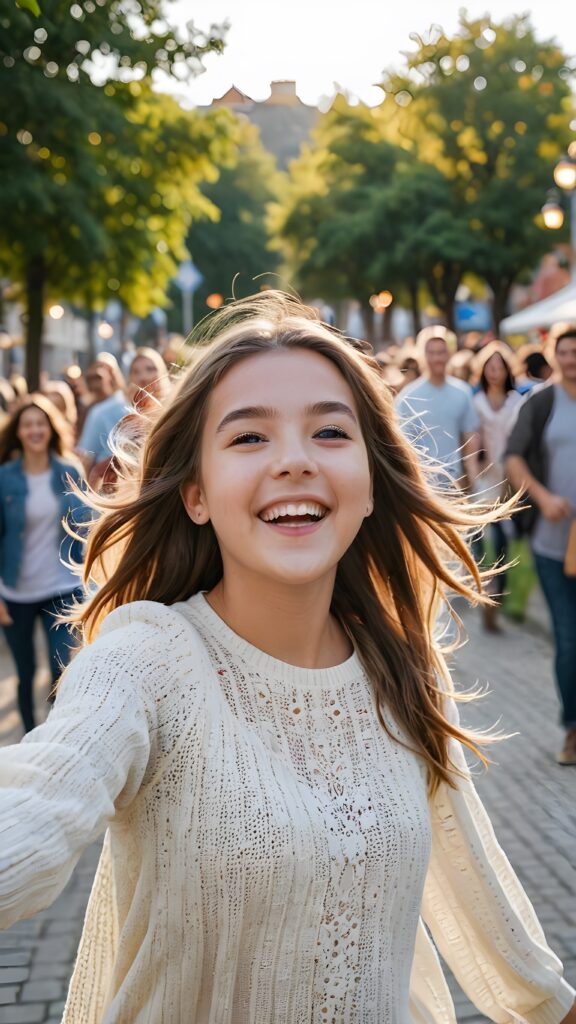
(144, 378)
(285, 478)
(495, 371)
(34, 432)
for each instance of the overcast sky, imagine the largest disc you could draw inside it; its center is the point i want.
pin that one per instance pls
(324, 44)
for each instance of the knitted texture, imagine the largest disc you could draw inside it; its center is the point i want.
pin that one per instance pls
(271, 852)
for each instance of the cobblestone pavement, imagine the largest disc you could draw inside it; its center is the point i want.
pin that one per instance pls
(530, 800)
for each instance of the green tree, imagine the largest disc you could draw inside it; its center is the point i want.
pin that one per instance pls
(360, 214)
(490, 109)
(330, 218)
(85, 144)
(233, 251)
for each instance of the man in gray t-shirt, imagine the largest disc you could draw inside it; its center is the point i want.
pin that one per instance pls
(553, 491)
(437, 411)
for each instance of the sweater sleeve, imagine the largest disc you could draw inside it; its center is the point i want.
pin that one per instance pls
(481, 919)
(64, 782)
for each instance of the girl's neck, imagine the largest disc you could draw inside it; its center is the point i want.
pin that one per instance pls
(290, 623)
(34, 462)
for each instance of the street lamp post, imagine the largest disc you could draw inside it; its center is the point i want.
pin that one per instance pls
(552, 212)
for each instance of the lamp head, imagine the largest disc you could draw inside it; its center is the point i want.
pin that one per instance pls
(552, 212)
(565, 173)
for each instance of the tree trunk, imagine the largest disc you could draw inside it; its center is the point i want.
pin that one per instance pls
(415, 308)
(368, 320)
(91, 327)
(501, 293)
(387, 326)
(449, 311)
(35, 283)
(443, 288)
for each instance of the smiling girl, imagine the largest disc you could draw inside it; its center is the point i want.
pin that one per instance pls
(264, 725)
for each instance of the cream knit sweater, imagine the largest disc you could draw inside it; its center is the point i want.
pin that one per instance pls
(271, 854)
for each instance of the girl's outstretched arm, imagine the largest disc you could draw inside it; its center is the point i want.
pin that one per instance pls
(62, 784)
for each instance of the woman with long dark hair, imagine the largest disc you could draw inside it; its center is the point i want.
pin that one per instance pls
(36, 467)
(264, 723)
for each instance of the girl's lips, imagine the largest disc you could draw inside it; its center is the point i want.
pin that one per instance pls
(299, 530)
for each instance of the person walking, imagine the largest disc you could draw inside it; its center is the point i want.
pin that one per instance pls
(106, 383)
(438, 413)
(497, 403)
(148, 380)
(541, 459)
(147, 390)
(36, 583)
(262, 720)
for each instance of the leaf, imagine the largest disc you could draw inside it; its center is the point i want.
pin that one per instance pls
(29, 5)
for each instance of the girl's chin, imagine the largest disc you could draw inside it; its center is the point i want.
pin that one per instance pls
(298, 576)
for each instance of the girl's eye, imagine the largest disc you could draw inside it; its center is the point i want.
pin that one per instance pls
(248, 438)
(332, 433)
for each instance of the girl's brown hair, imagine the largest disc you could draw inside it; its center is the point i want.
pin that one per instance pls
(389, 582)
(61, 437)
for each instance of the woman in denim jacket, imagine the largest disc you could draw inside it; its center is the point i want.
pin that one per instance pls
(35, 499)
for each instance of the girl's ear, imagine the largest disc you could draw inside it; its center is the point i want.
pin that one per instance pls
(194, 503)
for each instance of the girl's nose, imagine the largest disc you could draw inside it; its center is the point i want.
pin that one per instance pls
(294, 461)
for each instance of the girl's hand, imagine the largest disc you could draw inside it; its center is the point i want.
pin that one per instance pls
(5, 619)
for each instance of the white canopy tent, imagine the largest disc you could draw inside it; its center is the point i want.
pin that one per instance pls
(556, 308)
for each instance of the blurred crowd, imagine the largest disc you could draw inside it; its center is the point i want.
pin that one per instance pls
(494, 421)
(405, 363)
(52, 442)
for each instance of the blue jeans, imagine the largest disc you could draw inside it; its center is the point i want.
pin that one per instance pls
(20, 640)
(560, 593)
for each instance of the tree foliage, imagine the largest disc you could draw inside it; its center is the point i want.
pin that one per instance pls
(490, 108)
(99, 175)
(445, 178)
(232, 252)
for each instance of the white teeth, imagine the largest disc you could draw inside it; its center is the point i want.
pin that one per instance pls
(303, 508)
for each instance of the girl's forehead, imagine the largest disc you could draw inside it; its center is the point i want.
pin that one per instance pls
(286, 374)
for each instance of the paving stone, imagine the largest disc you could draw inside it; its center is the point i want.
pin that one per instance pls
(50, 970)
(46, 989)
(57, 1008)
(56, 949)
(9, 994)
(33, 1013)
(13, 975)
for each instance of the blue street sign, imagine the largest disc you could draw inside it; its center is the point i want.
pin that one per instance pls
(472, 316)
(188, 278)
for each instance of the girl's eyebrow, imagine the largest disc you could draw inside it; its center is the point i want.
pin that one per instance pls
(248, 412)
(262, 412)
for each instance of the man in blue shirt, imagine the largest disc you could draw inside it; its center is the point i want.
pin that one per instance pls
(438, 412)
